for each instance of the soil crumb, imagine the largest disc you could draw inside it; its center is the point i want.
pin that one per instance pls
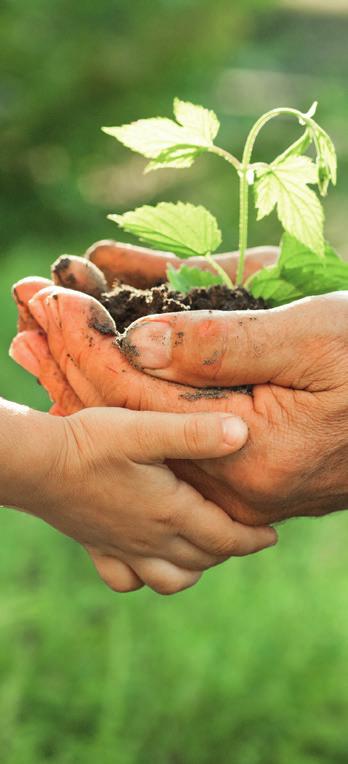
(215, 393)
(126, 304)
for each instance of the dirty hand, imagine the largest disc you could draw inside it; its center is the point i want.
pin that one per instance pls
(297, 359)
(59, 343)
(99, 477)
(68, 341)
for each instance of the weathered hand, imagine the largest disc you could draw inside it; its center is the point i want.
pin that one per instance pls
(297, 358)
(105, 261)
(67, 340)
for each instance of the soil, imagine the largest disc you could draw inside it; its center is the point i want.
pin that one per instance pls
(126, 304)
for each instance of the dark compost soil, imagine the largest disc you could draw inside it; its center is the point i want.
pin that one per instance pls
(126, 304)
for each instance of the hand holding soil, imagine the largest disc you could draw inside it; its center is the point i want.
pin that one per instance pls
(294, 356)
(296, 359)
(68, 340)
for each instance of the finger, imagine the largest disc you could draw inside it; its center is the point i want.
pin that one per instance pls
(207, 526)
(60, 328)
(164, 577)
(80, 274)
(30, 350)
(142, 267)
(137, 266)
(184, 554)
(239, 347)
(22, 292)
(181, 436)
(117, 575)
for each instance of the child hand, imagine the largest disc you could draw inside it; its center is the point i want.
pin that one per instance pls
(104, 482)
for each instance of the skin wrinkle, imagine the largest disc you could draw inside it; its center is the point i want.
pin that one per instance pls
(316, 352)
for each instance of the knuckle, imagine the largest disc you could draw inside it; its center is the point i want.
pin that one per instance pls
(166, 516)
(212, 340)
(194, 433)
(172, 510)
(137, 432)
(226, 547)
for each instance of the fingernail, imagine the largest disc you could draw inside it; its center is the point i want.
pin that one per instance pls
(151, 343)
(235, 431)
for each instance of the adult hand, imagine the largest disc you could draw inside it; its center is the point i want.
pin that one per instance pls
(297, 359)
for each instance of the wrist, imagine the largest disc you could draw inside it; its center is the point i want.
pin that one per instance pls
(30, 445)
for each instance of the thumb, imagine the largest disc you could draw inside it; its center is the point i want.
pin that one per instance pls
(205, 348)
(153, 437)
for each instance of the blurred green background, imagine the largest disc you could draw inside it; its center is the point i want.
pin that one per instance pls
(250, 667)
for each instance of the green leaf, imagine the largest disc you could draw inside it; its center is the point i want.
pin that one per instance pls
(197, 118)
(169, 143)
(181, 228)
(298, 148)
(177, 157)
(300, 272)
(185, 278)
(284, 184)
(326, 160)
(150, 137)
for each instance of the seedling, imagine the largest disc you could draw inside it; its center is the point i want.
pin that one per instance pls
(307, 264)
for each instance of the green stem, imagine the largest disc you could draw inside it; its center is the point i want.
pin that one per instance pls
(217, 267)
(245, 168)
(226, 156)
(243, 221)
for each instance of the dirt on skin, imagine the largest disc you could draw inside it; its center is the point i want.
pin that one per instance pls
(126, 304)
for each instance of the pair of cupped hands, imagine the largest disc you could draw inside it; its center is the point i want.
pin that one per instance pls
(157, 482)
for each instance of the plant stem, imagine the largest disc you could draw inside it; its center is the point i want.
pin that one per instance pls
(244, 169)
(243, 221)
(217, 267)
(227, 156)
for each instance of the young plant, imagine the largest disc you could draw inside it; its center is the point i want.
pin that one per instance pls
(306, 266)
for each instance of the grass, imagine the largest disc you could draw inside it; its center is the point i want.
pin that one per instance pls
(249, 667)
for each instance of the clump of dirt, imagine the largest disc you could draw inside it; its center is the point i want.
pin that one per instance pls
(126, 304)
